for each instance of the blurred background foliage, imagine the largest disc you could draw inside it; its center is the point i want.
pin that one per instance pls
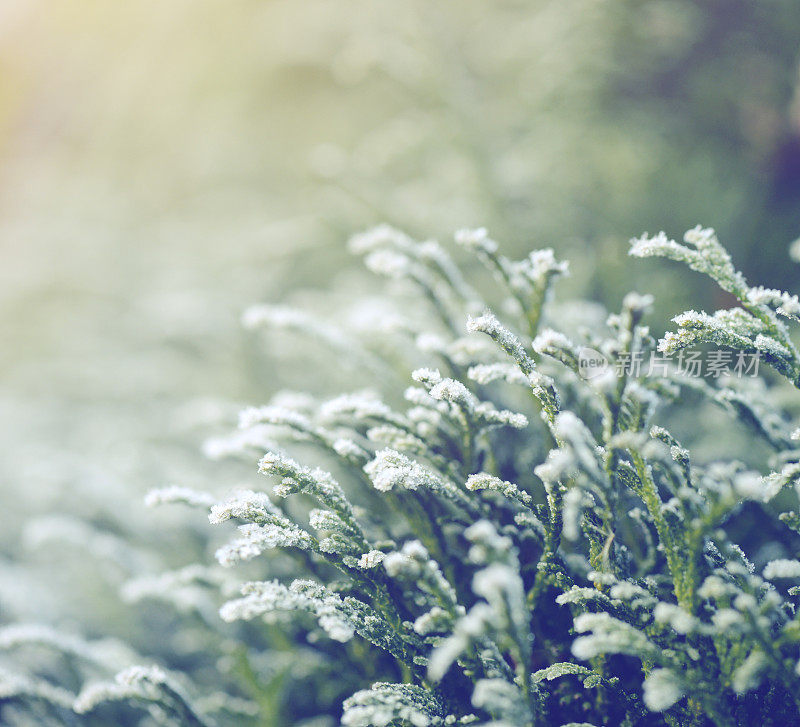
(165, 163)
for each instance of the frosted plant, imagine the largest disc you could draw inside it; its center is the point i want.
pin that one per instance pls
(754, 327)
(500, 539)
(107, 653)
(17, 687)
(384, 704)
(178, 494)
(185, 589)
(598, 516)
(148, 685)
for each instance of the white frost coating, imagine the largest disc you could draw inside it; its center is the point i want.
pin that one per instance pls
(748, 676)
(180, 587)
(503, 610)
(646, 246)
(430, 343)
(407, 562)
(394, 438)
(486, 373)
(627, 591)
(568, 426)
(454, 392)
(662, 689)
(397, 565)
(437, 619)
(260, 598)
(475, 624)
(177, 494)
(495, 578)
(681, 621)
(487, 542)
(608, 636)
(541, 264)
(500, 697)
(771, 347)
(486, 323)
(392, 469)
(378, 237)
(749, 485)
(784, 303)
(325, 520)
(702, 252)
(348, 448)
(427, 377)
(782, 568)
(390, 263)
(255, 539)
(244, 505)
(271, 414)
(239, 442)
(503, 417)
(726, 618)
(268, 527)
(637, 303)
(359, 406)
(773, 483)
(580, 443)
(555, 466)
(371, 559)
(298, 479)
(107, 653)
(384, 704)
(477, 239)
(14, 685)
(485, 481)
(501, 586)
(549, 340)
(264, 597)
(580, 594)
(135, 682)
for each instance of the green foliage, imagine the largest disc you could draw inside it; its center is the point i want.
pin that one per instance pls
(511, 543)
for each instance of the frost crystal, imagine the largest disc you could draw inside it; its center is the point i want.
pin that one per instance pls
(245, 505)
(392, 469)
(484, 481)
(384, 704)
(491, 326)
(268, 596)
(255, 539)
(371, 559)
(486, 373)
